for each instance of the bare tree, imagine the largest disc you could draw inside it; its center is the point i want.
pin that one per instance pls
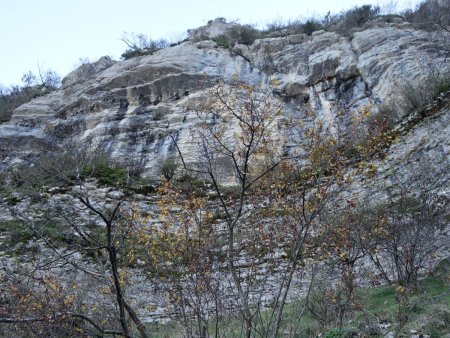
(86, 226)
(275, 199)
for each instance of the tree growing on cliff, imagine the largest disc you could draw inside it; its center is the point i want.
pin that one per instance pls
(274, 200)
(245, 156)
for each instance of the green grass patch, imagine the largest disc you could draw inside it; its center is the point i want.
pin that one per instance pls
(222, 41)
(433, 293)
(106, 175)
(15, 231)
(379, 301)
(18, 234)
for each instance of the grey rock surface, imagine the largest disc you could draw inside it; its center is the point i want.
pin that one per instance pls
(87, 71)
(135, 108)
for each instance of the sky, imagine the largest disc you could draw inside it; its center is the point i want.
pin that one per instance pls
(55, 34)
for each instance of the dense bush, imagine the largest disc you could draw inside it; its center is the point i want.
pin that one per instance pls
(222, 41)
(430, 14)
(61, 168)
(311, 26)
(343, 23)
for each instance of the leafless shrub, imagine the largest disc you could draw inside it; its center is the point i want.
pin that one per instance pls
(430, 15)
(384, 119)
(84, 69)
(168, 167)
(346, 22)
(51, 306)
(324, 304)
(141, 44)
(46, 78)
(406, 228)
(415, 97)
(307, 26)
(244, 34)
(402, 235)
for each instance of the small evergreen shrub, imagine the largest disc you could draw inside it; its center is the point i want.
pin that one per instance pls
(334, 333)
(222, 41)
(106, 175)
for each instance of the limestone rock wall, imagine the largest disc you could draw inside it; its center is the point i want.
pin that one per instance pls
(134, 106)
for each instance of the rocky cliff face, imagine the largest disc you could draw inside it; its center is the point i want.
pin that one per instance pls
(135, 107)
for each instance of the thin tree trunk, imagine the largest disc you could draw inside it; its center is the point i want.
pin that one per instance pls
(140, 326)
(118, 290)
(237, 283)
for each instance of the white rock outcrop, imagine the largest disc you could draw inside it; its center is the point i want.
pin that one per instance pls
(135, 107)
